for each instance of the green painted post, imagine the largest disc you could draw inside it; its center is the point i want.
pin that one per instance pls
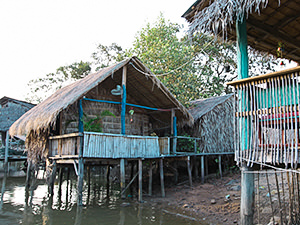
(242, 51)
(247, 179)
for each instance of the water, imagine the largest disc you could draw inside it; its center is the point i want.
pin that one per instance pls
(19, 207)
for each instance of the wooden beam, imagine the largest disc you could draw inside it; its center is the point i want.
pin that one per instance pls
(267, 29)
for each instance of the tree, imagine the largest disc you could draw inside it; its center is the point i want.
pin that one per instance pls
(43, 87)
(190, 68)
(107, 55)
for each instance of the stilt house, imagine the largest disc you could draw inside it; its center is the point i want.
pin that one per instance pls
(105, 118)
(267, 106)
(11, 110)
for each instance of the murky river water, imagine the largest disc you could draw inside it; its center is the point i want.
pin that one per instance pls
(17, 207)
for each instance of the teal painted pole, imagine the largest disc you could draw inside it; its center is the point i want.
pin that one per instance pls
(247, 178)
(242, 51)
(123, 111)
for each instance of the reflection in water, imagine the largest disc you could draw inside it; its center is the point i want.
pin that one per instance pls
(100, 205)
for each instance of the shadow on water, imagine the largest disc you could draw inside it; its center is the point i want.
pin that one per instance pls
(102, 206)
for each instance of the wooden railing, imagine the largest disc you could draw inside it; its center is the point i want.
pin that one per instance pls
(103, 145)
(267, 118)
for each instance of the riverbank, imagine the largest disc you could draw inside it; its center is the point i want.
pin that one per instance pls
(217, 201)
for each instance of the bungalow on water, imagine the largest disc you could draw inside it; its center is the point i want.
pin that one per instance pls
(10, 110)
(119, 114)
(267, 106)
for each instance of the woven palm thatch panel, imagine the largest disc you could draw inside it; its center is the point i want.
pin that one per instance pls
(214, 124)
(268, 22)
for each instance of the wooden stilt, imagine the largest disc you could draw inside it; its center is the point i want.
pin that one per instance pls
(247, 195)
(189, 171)
(80, 180)
(60, 176)
(175, 172)
(206, 164)
(6, 152)
(220, 166)
(150, 178)
(107, 180)
(52, 179)
(140, 180)
(162, 184)
(196, 167)
(28, 175)
(88, 171)
(202, 169)
(122, 176)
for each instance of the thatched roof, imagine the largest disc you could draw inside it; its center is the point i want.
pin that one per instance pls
(202, 106)
(141, 84)
(268, 22)
(10, 110)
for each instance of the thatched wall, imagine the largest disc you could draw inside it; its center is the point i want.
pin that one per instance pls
(214, 124)
(11, 110)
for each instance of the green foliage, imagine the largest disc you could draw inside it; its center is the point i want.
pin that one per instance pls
(95, 124)
(185, 144)
(107, 55)
(190, 69)
(43, 87)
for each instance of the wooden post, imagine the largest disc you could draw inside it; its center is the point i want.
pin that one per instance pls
(122, 177)
(51, 178)
(107, 181)
(140, 180)
(220, 166)
(80, 112)
(242, 51)
(173, 130)
(196, 167)
(6, 152)
(247, 179)
(123, 110)
(202, 169)
(28, 175)
(189, 171)
(247, 195)
(150, 178)
(80, 172)
(162, 184)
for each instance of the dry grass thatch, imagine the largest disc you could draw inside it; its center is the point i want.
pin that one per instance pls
(270, 24)
(214, 123)
(151, 93)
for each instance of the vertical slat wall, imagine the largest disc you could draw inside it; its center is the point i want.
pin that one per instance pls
(101, 145)
(267, 120)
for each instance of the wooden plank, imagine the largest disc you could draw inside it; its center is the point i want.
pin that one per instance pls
(65, 136)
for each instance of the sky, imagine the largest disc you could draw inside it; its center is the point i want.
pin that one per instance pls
(38, 36)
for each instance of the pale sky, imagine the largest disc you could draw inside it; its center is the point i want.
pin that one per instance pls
(38, 36)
